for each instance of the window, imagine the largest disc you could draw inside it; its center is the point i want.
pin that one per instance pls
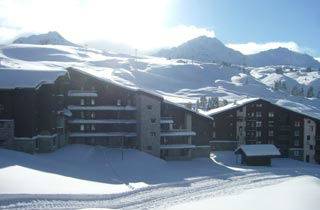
(296, 143)
(271, 123)
(82, 114)
(259, 105)
(37, 144)
(149, 147)
(296, 153)
(81, 127)
(54, 142)
(297, 123)
(308, 137)
(149, 107)
(1, 108)
(258, 133)
(93, 128)
(93, 102)
(311, 147)
(296, 133)
(258, 114)
(153, 120)
(153, 134)
(271, 114)
(311, 128)
(82, 102)
(214, 134)
(270, 133)
(258, 124)
(118, 102)
(93, 115)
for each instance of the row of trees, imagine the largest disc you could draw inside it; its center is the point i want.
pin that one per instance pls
(208, 102)
(297, 90)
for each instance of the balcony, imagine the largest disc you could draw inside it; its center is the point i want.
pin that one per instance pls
(177, 132)
(166, 120)
(178, 146)
(102, 121)
(82, 93)
(108, 134)
(101, 108)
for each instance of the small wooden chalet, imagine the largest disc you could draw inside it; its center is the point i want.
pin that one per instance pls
(257, 154)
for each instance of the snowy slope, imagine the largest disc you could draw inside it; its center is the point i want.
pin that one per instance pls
(207, 49)
(204, 49)
(178, 81)
(296, 194)
(81, 176)
(51, 37)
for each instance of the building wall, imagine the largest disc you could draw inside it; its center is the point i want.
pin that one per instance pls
(148, 133)
(309, 140)
(266, 123)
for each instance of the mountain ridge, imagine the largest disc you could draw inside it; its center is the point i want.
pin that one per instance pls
(208, 49)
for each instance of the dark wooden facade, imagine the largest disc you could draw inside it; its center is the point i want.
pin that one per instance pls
(264, 123)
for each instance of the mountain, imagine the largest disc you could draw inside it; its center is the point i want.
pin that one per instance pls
(203, 49)
(51, 37)
(207, 49)
(282, 56)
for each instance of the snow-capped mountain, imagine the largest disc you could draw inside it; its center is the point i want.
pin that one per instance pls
(204, 49)
(51, 37)
(282, 56)
(207, 49)
(176, 80)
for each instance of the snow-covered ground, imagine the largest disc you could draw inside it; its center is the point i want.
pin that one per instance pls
(80, 176)
(180, 81)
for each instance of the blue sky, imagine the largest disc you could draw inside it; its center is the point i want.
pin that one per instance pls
(242, 21)
(246, 25)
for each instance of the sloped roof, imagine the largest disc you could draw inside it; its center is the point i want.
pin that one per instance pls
(258, 150)
(22, 78)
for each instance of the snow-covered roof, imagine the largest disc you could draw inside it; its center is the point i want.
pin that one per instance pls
(259, 150)
(230, 106)
(22, 78)
(178, 146)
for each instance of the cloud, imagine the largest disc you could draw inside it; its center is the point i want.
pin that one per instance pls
(253, 47)
(140, 23)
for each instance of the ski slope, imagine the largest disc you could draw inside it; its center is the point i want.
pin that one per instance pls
(80, 176)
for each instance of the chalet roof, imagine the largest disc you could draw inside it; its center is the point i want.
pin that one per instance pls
(258, 150)
(22, 78)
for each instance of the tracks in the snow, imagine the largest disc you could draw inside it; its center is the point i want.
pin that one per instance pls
(150, 197)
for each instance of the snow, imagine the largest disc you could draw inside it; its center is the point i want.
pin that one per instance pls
(174, 81)
(17, 78)
(82, 176)
(295, 194)
(259, 150)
